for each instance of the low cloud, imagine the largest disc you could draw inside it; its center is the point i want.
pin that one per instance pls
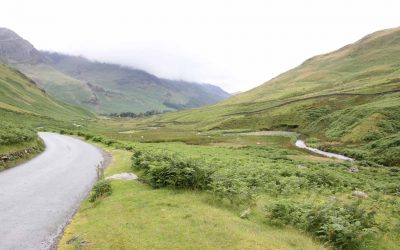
(234, 44)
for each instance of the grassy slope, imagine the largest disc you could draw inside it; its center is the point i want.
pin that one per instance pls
(138, 217)
(367, 66)
(57, 84)
(34, 146)
(315, 98)
(25, 108)
(21, 95)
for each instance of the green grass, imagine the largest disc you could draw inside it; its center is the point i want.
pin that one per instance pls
(278, 170)
(26, 109)
(20, 94)
(17, 147)
(332, 97)
(136, 216)
(248, 169)
(34, 146)
(341, 102)
(60, 86)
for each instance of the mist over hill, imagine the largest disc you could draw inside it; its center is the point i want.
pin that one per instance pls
(103, 87)
(348, 97)
(308, 160)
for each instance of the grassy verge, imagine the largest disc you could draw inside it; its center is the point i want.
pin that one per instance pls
(136, 216)
(19, 153)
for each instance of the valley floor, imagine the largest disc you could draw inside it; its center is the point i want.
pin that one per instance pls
(136, 216)
(229, 215)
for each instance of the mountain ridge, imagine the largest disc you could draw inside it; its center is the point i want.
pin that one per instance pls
(346, 101)
(14, 49)
(75, 79)
(311, 69)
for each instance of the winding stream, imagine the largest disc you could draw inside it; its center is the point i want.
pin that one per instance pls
(299, 143)
(302, 144)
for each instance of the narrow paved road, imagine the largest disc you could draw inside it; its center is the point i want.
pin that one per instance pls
(37, 198)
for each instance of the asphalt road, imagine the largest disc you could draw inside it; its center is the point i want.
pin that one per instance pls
(38, 198)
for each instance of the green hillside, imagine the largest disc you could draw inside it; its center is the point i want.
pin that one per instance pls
(240, 155)
(229, 175)
(370, 65)
(349, 98)
(57, 84)
(226, 176)
(22, 95)
(25, 108)
(108, 88)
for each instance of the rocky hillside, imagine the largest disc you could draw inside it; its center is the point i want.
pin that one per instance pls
(14, 49)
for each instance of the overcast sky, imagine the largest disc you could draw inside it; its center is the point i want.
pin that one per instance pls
(234, 44)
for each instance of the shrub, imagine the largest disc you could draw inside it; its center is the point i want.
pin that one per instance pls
(88, 136)
(109, 142)
(118, 145)
(101, 189)
(392, 188)
(323, 179)
(79, 133)
(345, 227)
(14, 134)
(97, 139)
(237, 191)
(171, 170)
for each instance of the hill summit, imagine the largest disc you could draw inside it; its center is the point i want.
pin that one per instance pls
(14, 49)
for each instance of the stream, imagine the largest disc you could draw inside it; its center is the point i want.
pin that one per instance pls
(302, 144)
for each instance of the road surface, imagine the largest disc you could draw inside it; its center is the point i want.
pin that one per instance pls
(38, 198)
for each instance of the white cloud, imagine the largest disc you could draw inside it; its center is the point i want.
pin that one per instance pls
(235, 44)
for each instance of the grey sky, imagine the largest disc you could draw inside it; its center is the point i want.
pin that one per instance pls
(234, 44)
